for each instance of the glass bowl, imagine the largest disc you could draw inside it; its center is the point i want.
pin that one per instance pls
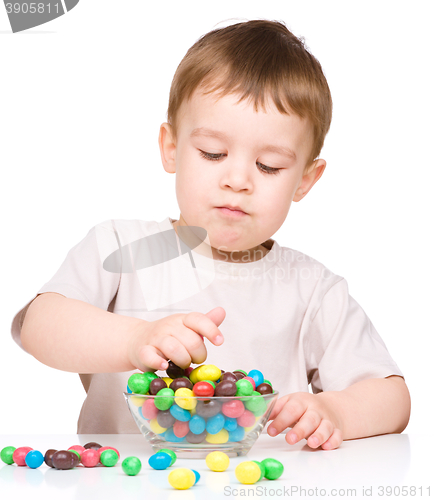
(230, 424)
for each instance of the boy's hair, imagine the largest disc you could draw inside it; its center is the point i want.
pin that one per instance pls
(256, 59)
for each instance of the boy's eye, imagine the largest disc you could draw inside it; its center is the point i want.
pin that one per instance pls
(217, 156)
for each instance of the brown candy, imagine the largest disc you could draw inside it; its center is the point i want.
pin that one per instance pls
(229, 376)
(174, 371)
(156, 385)
(92, 446)
(208, 408)
(165, 419)
(196, 438)
(239, 375)
(48, 456)
(264, 388)
(64, 460)
(225, 388)
(181, 383)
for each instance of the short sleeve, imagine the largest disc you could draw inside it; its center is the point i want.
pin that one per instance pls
(82, 275)
(342, 344)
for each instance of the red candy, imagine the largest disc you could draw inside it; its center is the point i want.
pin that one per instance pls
(19, 455)
(247, 419)
(233, 408)
(149, 410)
(103, 448)
(77, 448)
(180, 429)
(203, 389)
(90, 458)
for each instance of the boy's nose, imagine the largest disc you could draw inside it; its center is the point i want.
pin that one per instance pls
(237, 175)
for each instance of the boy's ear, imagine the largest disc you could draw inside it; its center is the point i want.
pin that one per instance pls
(310, 177)
(167, 148)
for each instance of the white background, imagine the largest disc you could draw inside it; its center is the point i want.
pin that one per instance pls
(81, 101)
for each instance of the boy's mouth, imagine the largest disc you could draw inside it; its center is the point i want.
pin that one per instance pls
(231, 211)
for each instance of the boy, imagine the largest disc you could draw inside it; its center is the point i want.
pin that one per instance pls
(248, 112)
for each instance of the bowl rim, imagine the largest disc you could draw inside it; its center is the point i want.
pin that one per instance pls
(203, 398)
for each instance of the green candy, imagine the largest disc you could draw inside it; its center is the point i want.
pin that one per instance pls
(109, 458)
(76, 452)
(261, 466)
(244, 388)
(7, 454)
(139, 383)
(150, 376)
(256, 405)
(210, 382)
(164, 399)
(267, 382)
(131, 466)
(171, 453)
(273, 468)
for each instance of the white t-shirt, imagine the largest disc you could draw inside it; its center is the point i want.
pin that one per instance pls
(286, 314)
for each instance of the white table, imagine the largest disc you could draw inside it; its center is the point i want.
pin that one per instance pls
(354, 470)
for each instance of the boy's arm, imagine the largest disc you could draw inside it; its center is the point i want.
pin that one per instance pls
(366, 408)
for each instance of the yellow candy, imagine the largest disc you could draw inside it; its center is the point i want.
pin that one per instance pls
(136, 401)
(185, 398)
(247, 472)
(182, 479)
(208, 372)
(217, 461)
(168, 380)
(219, 438)
(156, 427)
(193, 374)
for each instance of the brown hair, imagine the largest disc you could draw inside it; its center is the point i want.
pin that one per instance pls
(256, 59)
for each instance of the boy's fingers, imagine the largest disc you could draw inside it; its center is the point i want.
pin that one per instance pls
(334, 441)
(174, 350)
(306, 426)
(150, 357)
(290, 413)
(204, 325)
(321, 434)
(277, 407)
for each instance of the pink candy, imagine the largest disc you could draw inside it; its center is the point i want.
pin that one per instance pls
(19, 455)
(246, 419)
(233, 408)
(108, 448)
(90, 458)
(181, 429)
(149, 410)
(251, 381)
(77, 448)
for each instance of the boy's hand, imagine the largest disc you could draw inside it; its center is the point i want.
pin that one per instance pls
(178, 337)
(310, 416)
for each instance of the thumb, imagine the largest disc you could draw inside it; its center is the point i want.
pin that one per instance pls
(217, 315)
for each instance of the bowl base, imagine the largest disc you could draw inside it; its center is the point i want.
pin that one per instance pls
(232, 450)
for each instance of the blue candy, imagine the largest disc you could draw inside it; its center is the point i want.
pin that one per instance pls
(129, 390)
(230, 424)
(34, 459)
(169, 435)
(160, 460)
(179, 413)
(215, 424)
(197, 475)
(197, 424)
(237, 434)
(257, 376)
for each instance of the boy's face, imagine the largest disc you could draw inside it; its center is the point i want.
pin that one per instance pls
(222, 155)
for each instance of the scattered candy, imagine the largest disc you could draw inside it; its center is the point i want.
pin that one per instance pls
(34, 459)
(217, 461)
(7, 454)
(104, 448)
(248, 472)
(160, 460)
(273, 468)
(19, 455)
(48, 457)
(64, 460)
(92, 445)
(182, 479)
(197, 475)
(90, 457)
(108, 457)
(171, 453)
(131, 466)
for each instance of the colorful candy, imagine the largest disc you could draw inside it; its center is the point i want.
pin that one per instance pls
(7, 454)
(108, 458)
(131, 466)
(273, 468)
(171, 453)
(90, 457)
(19, 455)
(34, 459)
(160, 460)
(248, 472)
(64, 460)
(182, 479)
(217, 461)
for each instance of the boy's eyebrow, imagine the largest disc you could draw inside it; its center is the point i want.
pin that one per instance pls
(221, 135)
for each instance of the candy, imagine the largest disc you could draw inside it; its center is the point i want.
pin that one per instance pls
(229, 376)
(78, 448)
(256, 405)
(225, 388)
(233, 408)
(109, 457)
(138, 383)
(251, 381)
(257, 376)
(174, 371)
(179, 383)
(185, 399)
(197, 475)
(149, 410)
(209, 408)
(103, 448)
(156, 427)
(7, 454)
(196, 438)
(261, 466)
(150, 376)
(48, 456)
(203, 389)
(180, 429)
(193, 374)
(237, 434)
(164, 399)
(160, 460)
(248, 472)
(215, 424)
(170, 435)
(92, 445)
(219, 438)
(34, 459)
(197, 424)
(230, 424)
(131, 466)
(208, 372)
(180, 413)
(244, 388)
(246, 419)
(90, 457)
(273, 468)
(64, 460)
(19, 455)
(217, 461)
(165, 419)
(171, 453)
(156, 385)
(182, 479)
(264, 388)
(168, 380)
(76, 452)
